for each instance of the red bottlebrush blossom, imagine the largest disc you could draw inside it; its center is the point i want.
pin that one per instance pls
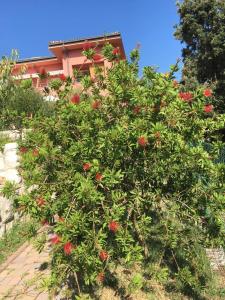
(208, 108)
(103, 255)
(35, 152)
(86, 166)
(142, 141)
(98, 176)
(116, 51)
(187, 97)
(96, 57)
(43, 72)
(96, 104)
(113, 226)
(75, 99)
(62, 77)
(23, 149)
(101, 277)
(87, 45)
(55, 239)
(68, 247)
(137, 109)
(41, 201)
(207, 93)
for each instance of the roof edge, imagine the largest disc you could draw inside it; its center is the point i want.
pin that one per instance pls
(41, 58)
(58, 43)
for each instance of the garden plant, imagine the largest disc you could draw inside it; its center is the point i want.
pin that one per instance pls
(126, 175)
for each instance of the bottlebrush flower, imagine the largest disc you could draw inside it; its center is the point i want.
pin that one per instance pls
(62, 77)
(43, 72)
(142, 141)
(137, 109)
(55, 239)
(96, 104)
(87, 45)
(113, 226)
(98, 176)
(103, 255)
(75, 99)
(116, 51)
(40, 201)
(68, 247)
(208, 108)
(96, 57)
(86, 166)
(35, 152)
(23, 150)
(187, 97)
(207, 93)
(101, 277)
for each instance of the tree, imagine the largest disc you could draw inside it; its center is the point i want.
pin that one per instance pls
(18, 100)
(202, 30)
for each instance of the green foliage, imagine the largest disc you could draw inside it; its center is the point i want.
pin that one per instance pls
(202, 29)
(55, 84)
(122, 176)
(18, 101)
(12, 240)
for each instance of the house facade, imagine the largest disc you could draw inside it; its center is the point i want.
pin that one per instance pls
(66, 56)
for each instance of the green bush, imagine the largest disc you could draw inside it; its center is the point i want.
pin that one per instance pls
(18, 101)
(122, 177)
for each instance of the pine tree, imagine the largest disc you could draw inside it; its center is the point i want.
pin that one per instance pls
(202, 31)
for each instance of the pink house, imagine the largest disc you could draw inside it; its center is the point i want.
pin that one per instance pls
(67, 55)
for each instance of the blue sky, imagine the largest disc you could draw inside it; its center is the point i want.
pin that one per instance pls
(28, 25)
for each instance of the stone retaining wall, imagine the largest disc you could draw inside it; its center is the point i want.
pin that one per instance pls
(9, 162)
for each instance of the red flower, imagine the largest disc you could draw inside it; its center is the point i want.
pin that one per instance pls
(103, 255)
(142, 141)
(87, 45)
(23, 149)
(41, 201)
(86, 166)
(113, 226)
(137, 109)
(35, 152)
(187, 97)
(96, 57)
(207, 93)
(101, 277)
(68, 247)
(116, 51)
(62, 77)
(43, 72)
(98, 176)
(208, 108)
(96, 104)
(75, 99)
(55, 239)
